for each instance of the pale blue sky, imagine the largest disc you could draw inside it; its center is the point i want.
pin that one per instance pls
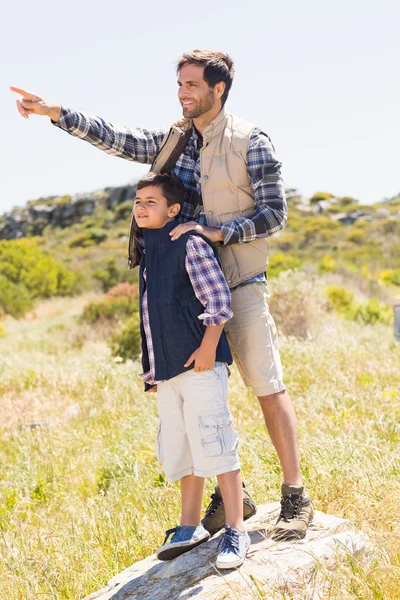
(322, 79)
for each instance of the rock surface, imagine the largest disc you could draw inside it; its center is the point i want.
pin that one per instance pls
(270, 567)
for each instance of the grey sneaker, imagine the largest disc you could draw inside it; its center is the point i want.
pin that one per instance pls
(297, 512)
(184, 539)
(234, 549)
(214, 519)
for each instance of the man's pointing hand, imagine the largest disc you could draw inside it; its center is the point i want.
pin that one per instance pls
(31, 104)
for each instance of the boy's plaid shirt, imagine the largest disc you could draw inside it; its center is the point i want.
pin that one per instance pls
(209, 286)
(143, 145)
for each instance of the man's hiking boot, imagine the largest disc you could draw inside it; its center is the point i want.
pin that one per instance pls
(297, 512)
(214, 519)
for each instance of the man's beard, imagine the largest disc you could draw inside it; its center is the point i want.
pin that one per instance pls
(203, 106)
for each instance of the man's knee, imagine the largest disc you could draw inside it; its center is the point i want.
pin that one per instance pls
(273, 397)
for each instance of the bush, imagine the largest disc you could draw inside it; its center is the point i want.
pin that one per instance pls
(340, 299)
(327, 264)
(28, 273)
(90, 237)
(120, 302)
(125, 290)
(318, 196)
(282, 262)
(127, 343)
(357, 236)
(109, 276)
(372, 311)
(15, 299)
(392, 277)
(346, 200)
(124, 210)
(369, 312)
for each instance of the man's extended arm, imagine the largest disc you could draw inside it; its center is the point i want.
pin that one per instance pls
(140, 145)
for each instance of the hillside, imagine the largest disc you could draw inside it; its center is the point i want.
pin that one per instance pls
(82, 241)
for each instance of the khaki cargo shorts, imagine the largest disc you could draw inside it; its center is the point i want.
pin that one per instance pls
(253, 339)
(196, 433)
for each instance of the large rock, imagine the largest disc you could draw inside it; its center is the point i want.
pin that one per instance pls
(270, 567)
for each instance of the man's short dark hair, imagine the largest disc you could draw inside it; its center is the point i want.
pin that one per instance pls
(171, 186)
(217, 67)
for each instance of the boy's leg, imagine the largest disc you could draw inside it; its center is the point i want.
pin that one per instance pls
(192, 499)
(236, 541)
(231, 489)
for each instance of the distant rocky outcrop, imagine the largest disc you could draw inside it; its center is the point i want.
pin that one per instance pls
(300, 569)
(60, 211)
(64, 211)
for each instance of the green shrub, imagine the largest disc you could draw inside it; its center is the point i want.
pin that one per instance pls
(127, 343)
(282, 262)
(285, 241)
(109, 276)
(357, 236)
(89, 237)
(124, 210)
(340, 299)
(392, 277)
(318, 196)
(372, 311)
(111, 309)
(15, 299)
(346, 200)
(327, 264)
(120, 302)
(21, 262)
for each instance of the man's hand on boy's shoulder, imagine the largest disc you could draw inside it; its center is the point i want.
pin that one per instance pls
(203, 357)
(211, 233)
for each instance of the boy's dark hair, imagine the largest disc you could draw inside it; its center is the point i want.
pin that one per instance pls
(171, 186)
(217, 67)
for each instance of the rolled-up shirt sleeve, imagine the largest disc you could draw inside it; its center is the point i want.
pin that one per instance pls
(270, 212)
(136, 144)
(208, 282)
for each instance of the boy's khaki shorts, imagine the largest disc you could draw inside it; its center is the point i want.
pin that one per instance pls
(196, 434)
(253, 339)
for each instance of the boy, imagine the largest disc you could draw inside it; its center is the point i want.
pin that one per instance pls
(185, 302)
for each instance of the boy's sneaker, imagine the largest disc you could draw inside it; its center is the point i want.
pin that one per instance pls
(184, 539)
(234, 549)
(297, 512)
(215, 519)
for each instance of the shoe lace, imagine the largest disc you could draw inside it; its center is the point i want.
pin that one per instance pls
(168, 533)
(290, 505)
(215, 503)
(230, 541)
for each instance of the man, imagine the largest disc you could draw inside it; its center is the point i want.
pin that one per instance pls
(235, 197)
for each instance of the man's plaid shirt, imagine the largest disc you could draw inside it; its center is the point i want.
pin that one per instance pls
(143, 145)
(209, 286)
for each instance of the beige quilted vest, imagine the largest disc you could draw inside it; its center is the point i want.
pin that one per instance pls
(225, 186)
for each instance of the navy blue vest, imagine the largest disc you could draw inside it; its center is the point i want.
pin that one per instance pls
(173, 307)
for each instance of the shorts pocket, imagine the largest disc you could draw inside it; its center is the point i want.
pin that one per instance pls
(212, 446)
(159, 448)
(218, 435)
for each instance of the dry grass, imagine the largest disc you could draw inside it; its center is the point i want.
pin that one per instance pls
(81, 496)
